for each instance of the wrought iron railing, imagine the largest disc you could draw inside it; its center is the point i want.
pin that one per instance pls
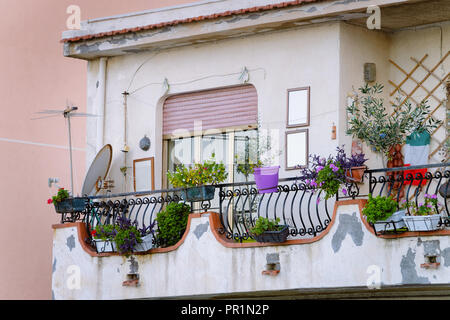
(299, 206)
(411, 185)
(302, 208)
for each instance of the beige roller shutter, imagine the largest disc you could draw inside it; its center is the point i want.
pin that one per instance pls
(222, 108)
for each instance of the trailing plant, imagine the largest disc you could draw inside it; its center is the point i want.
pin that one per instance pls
(264, 224)
(328, 174)
(379, 208)
(127, 236)
(146, 230)
(329, 178)
(60, 196)
(371, 122)
(124, 233)
(172, 222)
(426, 208)
(208, 172)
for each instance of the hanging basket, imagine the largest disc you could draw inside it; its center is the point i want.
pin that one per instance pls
(197, 194)
(393, 223)
(422, 223)
(103, 246)
(70, 205)
(146, 244)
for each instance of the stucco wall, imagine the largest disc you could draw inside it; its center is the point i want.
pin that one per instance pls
(277, 61)
(416, 43)
(349, 255)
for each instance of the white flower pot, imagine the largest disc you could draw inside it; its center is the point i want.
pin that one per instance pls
(146, 243)
(104, 246)
(394, 222)
(422, 223)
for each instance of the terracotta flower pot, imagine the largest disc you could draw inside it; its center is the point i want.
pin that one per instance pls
(355, 174)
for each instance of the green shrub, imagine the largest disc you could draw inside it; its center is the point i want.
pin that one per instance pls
(265, 224)
(172, 222)
(379, 208)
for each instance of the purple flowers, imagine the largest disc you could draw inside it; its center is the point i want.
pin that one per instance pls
(333, 167)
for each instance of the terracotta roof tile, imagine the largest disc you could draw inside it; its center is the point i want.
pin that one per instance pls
(192, 19)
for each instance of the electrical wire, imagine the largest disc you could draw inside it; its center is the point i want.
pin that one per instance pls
(199, 79)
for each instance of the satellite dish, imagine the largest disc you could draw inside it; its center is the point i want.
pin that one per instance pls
(97, 171)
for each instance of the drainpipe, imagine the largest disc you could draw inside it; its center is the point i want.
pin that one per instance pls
(100, 105)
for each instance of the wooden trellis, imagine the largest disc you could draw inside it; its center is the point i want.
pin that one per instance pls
(434, 101)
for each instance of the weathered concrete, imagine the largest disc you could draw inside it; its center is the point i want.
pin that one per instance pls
(203, 266)
(209, 30)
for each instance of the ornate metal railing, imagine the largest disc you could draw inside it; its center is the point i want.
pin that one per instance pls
(302, 208)
(413, 184)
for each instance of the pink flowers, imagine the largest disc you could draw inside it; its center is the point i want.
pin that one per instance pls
(49, 201)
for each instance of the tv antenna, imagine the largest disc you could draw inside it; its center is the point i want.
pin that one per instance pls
(67, 113)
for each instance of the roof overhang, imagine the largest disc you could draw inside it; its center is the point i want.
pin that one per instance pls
(215, 20)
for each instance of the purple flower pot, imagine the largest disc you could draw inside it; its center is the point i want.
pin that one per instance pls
(266, 179)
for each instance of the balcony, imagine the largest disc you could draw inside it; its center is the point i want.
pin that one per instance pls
(217, 243)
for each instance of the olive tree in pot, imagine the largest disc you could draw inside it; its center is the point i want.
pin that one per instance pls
(382, 129)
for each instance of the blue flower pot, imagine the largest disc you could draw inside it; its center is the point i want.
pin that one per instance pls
(197, 194)
(70, 205)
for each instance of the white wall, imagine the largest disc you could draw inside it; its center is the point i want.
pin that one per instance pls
(277, 61)
(434, 41)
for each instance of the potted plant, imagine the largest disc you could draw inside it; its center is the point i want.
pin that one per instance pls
(103, 237)
(172, 222)
(65, 204)
(127, 236)
(354, 167)
(264, 170)
(379, 129)
(198, 180)
(266, 230)
(325, 174)
(147, 236)
(383, 214)
(423, 216)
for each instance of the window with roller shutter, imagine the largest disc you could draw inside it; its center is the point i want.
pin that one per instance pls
(220, 121)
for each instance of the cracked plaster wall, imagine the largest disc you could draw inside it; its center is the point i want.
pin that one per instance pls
(344, 257)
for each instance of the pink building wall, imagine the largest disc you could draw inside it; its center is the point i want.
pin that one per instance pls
(35, 76)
